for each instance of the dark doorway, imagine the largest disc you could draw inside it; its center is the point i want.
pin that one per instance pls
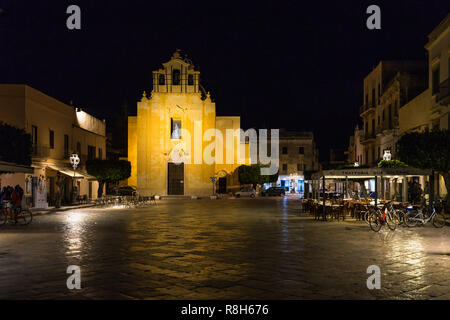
(175, 179)
(222, 185)
(51, 191)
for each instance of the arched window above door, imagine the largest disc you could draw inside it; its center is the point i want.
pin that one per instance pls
(176, 77)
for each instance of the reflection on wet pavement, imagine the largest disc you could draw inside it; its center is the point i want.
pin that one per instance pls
(219, 249)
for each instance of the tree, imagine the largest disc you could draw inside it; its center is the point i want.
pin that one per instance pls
(16, 145)
(428, 150)
(269, 178)
(108, 171)
(248, 174)
(391, 164)
(252, 175)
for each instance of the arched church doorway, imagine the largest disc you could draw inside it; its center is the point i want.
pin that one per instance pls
(222, 185)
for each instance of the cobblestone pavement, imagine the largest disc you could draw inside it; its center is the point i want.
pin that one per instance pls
(219, 249)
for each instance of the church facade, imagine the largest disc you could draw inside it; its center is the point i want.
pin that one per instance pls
(177, 145)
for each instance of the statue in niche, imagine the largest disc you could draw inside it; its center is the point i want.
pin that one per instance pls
(176, 134)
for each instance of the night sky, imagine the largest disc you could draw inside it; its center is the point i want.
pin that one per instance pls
(293, 65)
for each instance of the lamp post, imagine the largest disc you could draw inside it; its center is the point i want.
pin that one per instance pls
(213, 180)
(74, 161)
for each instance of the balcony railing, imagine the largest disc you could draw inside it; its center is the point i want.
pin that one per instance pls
(366, 107)
(387, 126)
(368, 136)
(40, 151)
(443, 93)
(379, 129)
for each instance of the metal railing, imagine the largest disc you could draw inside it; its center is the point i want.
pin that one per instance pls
(366, 107)
(368, 136)
(40, 151)
(443, 91)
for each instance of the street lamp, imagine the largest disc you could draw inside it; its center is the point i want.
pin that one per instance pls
(74, 161)
(213, 180)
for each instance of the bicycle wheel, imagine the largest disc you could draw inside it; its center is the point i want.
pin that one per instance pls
(3, 218)
(366, 216)
(438, 220)
(410, 219)
(24, 217)
(391, 221)
(374, 222)
(401, 216)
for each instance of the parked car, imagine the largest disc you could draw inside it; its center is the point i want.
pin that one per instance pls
(248, 192)
(125, 191)
(274, 191)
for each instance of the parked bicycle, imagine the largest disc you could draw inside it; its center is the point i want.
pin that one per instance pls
(19, 216)
(384, 216)
(398, 215)
(369, 210)
(416, 216)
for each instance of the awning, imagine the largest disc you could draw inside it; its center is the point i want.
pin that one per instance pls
(70, 173)
(9, 167)
(361, 173)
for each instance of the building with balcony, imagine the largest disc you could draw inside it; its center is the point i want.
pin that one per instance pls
(389, 85)
(438, 48)
(298, 153)
(402, 88)
(57, 130)
(430, 109)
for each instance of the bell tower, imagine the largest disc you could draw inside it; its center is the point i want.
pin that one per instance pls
(177, 76)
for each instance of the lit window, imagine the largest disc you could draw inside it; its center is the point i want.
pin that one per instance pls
(175, 129)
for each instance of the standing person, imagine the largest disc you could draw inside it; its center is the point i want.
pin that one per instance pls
(8, 193)
(2, 195)
(426, 194)
(20, 190)
(419, 193)
(16, 202)
(415, 193)
(16, 198)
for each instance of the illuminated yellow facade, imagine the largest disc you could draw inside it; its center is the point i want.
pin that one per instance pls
(173, 145)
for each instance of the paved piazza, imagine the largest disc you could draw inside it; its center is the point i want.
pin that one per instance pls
(219, 249)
